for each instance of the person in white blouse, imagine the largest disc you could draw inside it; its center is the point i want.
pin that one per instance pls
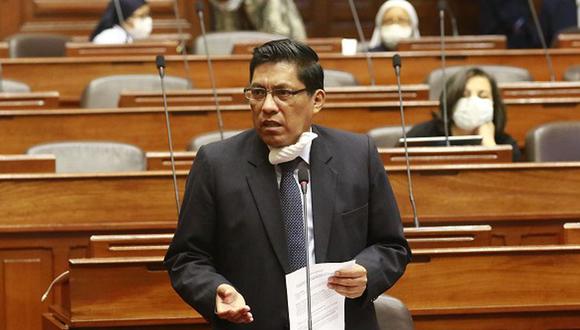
(123, 22)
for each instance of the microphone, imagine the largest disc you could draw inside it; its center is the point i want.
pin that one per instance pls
(542, 40)
(442, 5)
(304, 179)
(182, 49)
(120, 17)
(397, 67)
(160, 62)
(199, 9)
(363, 40)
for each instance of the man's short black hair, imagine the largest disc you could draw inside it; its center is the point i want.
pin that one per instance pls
(309, 70)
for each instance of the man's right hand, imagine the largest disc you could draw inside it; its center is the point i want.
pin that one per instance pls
(230, 305)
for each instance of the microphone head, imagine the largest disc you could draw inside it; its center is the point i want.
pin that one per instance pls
(160, 61)
(199, 6)
(303, 173)
(396, 61)
(442, 5)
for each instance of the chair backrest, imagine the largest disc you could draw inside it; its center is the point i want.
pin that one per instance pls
(37, 45)
(392, 314)
(81, 156)
(222, 43)
(501, 73)
(387, 136)
(13, 86)
(552, 142)
(104, 92)
(336, 78)
(210, 137)
(572, 73)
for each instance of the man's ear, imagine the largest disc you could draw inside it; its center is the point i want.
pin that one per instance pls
(319, 97)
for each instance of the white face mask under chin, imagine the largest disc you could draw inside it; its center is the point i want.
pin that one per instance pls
(393, 33)
(142, 28)
(472, 112)
(289, 153)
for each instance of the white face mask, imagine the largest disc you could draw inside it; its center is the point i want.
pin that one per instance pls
(142, 28)
(288, 153)
(472, 112)
(391, 34)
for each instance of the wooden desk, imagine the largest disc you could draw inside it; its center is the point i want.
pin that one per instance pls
(161, 161)
(121, 292)
(455, 288)
(231, 71)
(32, 100)
(508, 197)
(151, 48)
(418, 92)
(48, 218)
(520, 288)
(4, 51)
(572, 233)
(540, 89)
(155, 245)
(145, 127)
(27, 164)
(320, 45)
(234, 96)
(568, 40)
(464, 42)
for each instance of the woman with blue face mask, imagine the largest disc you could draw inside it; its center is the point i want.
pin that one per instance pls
(135, 23)
(475, 107)
(395, 20)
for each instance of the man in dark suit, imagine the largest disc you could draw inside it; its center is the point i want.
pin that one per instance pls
(234, 243)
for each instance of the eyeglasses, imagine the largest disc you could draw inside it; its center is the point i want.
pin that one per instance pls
(259, 93)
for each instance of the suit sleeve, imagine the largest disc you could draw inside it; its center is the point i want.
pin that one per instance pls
(190, 257)
(387, 252)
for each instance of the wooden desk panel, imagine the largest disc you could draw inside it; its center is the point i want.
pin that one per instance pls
(33, 100)
(232, 71)
(145, 127)
(508, 197)
(27, 164)
(87, 49)
(483, 288)
(572, 233)
(49, 202)
(463, 42)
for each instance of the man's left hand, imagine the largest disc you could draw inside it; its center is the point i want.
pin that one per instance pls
(350, 282)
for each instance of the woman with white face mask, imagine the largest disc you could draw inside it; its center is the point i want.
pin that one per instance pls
(395, 20)
(136, 23)
(475, 107)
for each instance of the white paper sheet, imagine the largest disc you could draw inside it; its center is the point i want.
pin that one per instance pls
(327, 305)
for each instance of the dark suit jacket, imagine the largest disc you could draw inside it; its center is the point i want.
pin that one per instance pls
(557, 15)
(231, 229)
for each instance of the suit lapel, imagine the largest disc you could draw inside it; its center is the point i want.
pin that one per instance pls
(323, 180)
(263, 186)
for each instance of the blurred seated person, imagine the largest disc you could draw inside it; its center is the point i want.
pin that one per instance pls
(270, 16)
(511, 18)
(474, 107)
(558, 15)
(136, 23)
(395, 20)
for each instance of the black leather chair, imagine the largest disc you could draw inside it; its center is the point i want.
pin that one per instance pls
(37, 45)
(554, 142)
(392, 314)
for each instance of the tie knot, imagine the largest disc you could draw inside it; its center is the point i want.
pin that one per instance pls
(290, 166)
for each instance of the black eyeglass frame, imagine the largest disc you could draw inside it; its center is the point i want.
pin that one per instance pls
(281, 94)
